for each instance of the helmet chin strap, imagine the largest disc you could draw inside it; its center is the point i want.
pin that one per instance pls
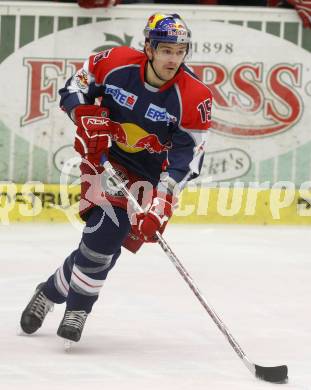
(154, 71)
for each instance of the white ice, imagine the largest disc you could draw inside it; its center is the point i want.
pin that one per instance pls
(148, 331)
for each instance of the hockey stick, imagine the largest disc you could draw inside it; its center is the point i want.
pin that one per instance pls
(276, 374)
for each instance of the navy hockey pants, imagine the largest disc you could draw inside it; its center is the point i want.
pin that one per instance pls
(79, 279)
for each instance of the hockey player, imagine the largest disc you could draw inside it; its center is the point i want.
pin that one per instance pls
(152, 124)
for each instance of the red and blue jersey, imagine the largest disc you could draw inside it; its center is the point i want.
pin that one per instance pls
(165, 128)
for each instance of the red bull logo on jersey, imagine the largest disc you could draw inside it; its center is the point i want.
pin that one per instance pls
(120, 96)
(152, 144)
(159, 114)
(137, 139)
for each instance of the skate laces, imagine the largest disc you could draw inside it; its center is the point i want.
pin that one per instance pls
(75, 319)
(41, 306)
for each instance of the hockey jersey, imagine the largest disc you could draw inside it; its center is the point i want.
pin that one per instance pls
(165, 128)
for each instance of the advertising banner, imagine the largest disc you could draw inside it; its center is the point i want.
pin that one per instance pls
(257, 66)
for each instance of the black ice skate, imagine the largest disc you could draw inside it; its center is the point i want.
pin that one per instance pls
(36, 311)
(72, 325)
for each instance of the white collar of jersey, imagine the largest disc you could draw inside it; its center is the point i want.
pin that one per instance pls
(151, 88)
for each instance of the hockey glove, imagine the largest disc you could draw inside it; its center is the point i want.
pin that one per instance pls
(95, 132)
(97, 3)
(88, 110)
(303, 7)
(155, 218)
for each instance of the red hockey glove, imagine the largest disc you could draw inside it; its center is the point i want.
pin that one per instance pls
(155, 218)
(97, 3)
(88, 110)
(303, 7)
(132, 242)
(94, 133)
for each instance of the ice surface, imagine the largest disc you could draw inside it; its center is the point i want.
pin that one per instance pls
(148, 331)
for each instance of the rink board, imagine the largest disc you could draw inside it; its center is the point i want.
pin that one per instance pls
(51, 202)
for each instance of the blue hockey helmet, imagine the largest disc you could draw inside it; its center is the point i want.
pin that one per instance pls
(167, 28)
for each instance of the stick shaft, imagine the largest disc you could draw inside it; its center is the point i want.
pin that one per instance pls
(212, 313)
(183, 272)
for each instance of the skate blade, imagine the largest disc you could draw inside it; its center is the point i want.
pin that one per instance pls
(20, 332)
(68, 345)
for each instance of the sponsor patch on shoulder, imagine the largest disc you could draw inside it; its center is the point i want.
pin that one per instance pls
(81, 79)
(101, 55)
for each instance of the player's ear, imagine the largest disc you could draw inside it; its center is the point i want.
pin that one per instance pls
(148, 50)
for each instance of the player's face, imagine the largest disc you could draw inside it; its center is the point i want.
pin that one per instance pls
(167, 58)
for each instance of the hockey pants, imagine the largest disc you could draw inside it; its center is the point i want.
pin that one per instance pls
(79, 279)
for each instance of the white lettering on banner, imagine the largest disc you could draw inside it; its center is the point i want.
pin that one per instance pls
(159, 114)
(24, 202)
(120, 96)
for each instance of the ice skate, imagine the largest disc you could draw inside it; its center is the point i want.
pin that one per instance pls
(36, 311)
(71, 326)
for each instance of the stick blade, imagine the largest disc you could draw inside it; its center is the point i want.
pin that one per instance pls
(276, 374)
